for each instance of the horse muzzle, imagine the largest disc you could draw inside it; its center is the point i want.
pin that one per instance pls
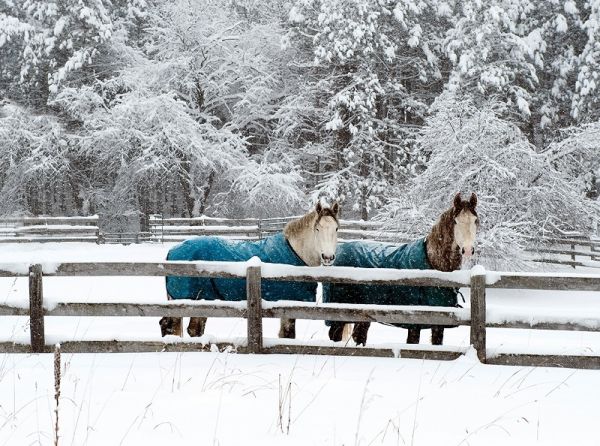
(467, 252)
(327, 260)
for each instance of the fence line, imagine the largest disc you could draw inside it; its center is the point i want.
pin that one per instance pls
(85, 229)
(49, 229)
(254, 309)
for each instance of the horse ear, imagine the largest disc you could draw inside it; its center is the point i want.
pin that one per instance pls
(319, 208)
(457, 201)
(473, 201)
(335, 208)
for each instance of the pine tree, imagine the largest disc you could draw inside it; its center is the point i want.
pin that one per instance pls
(374, 65)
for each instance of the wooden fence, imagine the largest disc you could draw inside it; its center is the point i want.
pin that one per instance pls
(179, 229)
(49, 229)
(562, 251)
(571, 248)
(255, 309)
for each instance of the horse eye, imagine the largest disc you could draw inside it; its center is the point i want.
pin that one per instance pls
(317, 229)
(336, 229)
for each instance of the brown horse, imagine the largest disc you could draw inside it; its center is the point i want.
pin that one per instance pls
(310, 240)
(450, 242)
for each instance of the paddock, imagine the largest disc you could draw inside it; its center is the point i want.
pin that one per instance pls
(576, 318)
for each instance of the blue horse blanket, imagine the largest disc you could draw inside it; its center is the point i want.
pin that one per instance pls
(273, 249)
(363, 254)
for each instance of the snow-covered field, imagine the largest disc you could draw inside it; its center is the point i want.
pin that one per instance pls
(229, 399)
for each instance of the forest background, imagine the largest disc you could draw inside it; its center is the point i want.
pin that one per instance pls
(256, 108)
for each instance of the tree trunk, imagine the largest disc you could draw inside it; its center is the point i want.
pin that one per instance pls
(364, 172)
(184, 181)
(206, 192)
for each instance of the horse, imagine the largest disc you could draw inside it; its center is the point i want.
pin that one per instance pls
(310, 240)
(449, 242)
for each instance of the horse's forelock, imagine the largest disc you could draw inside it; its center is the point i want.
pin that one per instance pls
(326, 212)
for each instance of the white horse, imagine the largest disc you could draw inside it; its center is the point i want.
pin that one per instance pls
(310, 240)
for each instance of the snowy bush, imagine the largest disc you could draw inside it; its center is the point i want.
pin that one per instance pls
(522, 196)
(577, 154)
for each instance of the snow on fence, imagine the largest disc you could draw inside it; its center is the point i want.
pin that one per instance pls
(254, 309)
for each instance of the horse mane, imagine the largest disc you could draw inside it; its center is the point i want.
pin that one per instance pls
(296, 227)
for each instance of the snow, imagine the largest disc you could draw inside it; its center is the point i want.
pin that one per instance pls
(272, 271)
(253, 262)
(590, 320)
(17, 269)
(226, 398)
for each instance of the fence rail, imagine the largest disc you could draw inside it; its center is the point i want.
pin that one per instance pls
(49, 229)
(254, 309)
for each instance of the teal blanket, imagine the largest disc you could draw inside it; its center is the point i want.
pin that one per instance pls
(362, 254)
(273, 249)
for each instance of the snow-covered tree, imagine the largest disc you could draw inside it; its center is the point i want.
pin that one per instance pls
(48, 42)
(144, 142)
(577, 155)
(35, 166)
(493, 54)
(186, 120)
(522, 196)
(586, 101)
(371, 63)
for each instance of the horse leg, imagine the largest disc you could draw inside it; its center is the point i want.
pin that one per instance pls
(437, 335)
(287, 328)
(347, 332)
(196, 326)
(336, 330)
(359, 334)
(171, 326)
(414, 336)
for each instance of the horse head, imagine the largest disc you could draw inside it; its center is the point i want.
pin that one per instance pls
(466, 223)
(325, 232)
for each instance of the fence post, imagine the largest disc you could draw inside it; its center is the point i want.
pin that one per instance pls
(478, 335)
(573, 246)
(593, 249)
(254, 316)
(36, 309)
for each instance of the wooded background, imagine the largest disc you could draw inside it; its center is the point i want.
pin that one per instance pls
(248, 108)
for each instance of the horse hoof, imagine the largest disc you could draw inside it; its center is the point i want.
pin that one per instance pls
(335, 332)
(360, 343)
(360, 340)
(170, 326)
(166, 327)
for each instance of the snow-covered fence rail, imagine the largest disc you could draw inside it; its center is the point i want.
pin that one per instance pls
(49, 229)
(254, 309)
(564, 251)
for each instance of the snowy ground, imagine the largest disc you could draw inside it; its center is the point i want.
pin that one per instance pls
(227, 399)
